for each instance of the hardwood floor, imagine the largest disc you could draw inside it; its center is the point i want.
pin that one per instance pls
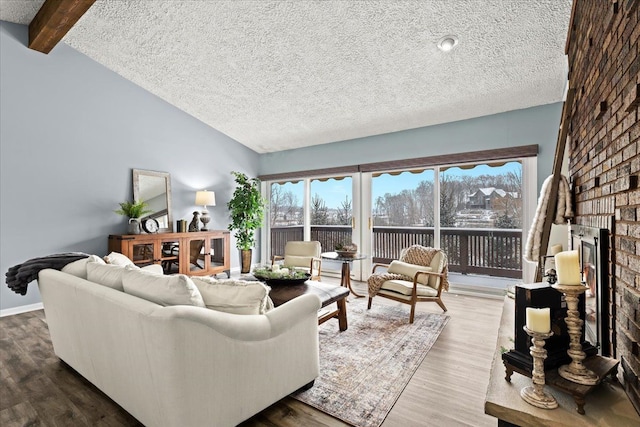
(448, 389)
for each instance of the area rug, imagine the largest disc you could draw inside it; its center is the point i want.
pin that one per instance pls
(364, 369)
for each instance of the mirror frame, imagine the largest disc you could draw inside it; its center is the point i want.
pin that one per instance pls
(137, 173)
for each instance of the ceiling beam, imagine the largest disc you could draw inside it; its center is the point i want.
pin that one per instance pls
(54, 19)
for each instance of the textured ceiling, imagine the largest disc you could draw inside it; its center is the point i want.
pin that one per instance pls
(277, 75)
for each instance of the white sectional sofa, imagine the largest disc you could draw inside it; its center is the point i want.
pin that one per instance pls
(180, 365)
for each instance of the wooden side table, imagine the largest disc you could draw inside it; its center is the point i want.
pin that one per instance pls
(345, 277)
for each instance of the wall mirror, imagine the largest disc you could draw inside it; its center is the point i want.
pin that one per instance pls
(155, 189)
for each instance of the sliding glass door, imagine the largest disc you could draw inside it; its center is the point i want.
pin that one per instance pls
(286, 215)
(319, 209)
(472, 211)
(402, 212)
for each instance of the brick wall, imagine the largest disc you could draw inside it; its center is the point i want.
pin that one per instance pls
(604, 159)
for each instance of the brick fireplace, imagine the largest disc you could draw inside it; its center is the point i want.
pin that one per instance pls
(604, 160)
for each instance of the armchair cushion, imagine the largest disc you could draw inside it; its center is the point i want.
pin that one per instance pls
(409, 270)
(297, 261)
(405, 287)
(303, 249)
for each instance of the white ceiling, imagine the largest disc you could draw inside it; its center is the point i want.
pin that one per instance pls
(276, 75)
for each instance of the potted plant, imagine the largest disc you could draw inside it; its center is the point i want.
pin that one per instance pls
(133, 210)
(246, 210)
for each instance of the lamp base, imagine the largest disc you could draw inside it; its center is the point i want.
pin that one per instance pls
(205, 218)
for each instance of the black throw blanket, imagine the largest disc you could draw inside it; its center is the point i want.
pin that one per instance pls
(19, 276)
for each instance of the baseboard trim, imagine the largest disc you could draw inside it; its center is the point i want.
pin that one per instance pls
(21, 309)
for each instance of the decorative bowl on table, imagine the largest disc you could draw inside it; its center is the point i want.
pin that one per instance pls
(276, 276)
(347, 254)
(348, 250)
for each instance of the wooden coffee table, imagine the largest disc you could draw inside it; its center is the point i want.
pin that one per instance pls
(328, 294)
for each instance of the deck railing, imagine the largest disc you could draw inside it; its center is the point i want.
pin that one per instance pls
(493, 252)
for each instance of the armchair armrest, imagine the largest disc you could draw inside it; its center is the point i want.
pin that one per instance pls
(276, 258)
(428, 273)
(315, 263)
(379, 265)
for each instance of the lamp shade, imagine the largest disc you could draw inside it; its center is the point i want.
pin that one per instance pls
(205, 198)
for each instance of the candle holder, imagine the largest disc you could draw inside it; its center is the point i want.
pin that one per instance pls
(535, 395)
(575, 371)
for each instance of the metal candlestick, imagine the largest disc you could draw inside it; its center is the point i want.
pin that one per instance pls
(535, 395)
(575, 371)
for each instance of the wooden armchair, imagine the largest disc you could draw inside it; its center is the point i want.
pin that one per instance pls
(411, 283)
(302, 255)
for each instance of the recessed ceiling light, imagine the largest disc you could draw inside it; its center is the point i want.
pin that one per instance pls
(448, 43)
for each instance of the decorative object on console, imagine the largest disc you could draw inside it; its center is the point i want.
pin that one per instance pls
(133, 210)
(194, 225)
(246, 209)
(568, 268)
(538, 320)
(541, 295)
(181, 226)
(535, 395)
(150, 225)
(205, 198)
(154, 188)
(575, 371)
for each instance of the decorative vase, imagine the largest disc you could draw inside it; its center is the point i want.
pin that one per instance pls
(245, 256)
(134, 226)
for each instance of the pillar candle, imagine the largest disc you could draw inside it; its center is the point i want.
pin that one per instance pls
(556, 249)
(568, 268)
(539, 319)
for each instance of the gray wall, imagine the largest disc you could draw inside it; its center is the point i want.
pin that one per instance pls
(536, 125)
(71, 131)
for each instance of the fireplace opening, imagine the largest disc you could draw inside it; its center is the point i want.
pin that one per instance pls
(592, 245)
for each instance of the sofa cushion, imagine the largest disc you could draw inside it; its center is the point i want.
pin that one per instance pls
(105, 274)
(234, 296)
(117, 258)
(79, 268)
(153, 268)
(164, 290)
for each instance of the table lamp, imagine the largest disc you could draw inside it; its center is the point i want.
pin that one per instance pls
(205, 198)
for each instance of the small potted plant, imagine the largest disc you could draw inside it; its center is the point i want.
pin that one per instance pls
(246, 209)
(133, 210)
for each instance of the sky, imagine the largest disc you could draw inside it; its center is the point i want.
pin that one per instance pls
(333, 192)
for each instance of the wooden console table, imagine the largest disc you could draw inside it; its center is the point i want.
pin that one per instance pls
(201, 253)
(607, 404)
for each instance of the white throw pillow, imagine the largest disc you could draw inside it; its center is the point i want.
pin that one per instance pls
(116, 258)
(79, 268)
(152, 268)
(164, 290)
(234, 296)
(105, 274)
